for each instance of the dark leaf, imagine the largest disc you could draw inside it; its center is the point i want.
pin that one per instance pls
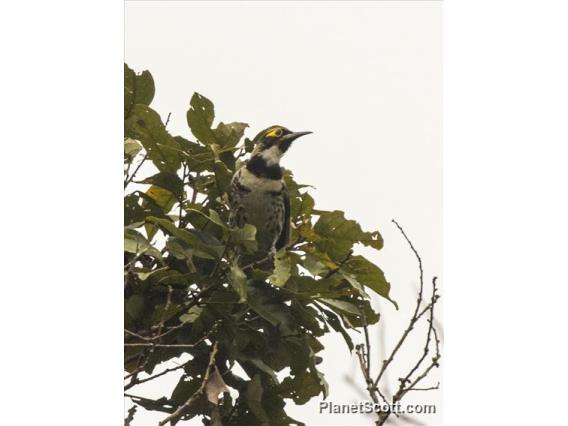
(254, 400)
(135, 305)
(203, 244)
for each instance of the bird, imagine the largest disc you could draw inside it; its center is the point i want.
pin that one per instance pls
(258, 194)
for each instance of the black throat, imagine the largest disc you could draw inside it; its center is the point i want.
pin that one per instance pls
(258, 167)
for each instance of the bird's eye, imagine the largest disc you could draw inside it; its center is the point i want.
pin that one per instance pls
(274, 133)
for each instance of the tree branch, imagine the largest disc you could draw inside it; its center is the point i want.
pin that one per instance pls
(407, 382)
(130, 416)
(414, 317)
(129, 178)
(176, 415)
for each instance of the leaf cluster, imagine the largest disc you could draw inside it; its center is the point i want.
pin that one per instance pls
(184, 290)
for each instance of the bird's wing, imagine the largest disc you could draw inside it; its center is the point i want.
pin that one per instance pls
(284, 237)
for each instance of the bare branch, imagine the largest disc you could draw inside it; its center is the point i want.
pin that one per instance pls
(407, 382)
(414, 317)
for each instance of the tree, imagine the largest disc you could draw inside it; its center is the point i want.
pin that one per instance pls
(184, 293)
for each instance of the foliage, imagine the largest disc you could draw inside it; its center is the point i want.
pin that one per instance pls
(184, 293)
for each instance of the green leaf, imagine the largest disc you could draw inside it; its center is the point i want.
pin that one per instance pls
(185, 389)
(239, 282)
(138, 89)
(304, 386)
(131, 149)
(228, 135)
(129, 84)
(276, 313)
(164, 276)
(222, 176)
(307, 205)
(203, 244)
(136, 243)
(213, 217)
(282, 268)
(369, 275)
(306, 286)
(200, 118)
(354, 283)
(191, 315)
(308, 317)
(144, 91)
(249, 145)
(335, 323)
(314, 265)
(145, 125)
(337, 234)
(246, 237)
(133, 212)
(259, 365)
(168, 181)
(341, 305)
(254, 400)
(181, 250)
(135, 306)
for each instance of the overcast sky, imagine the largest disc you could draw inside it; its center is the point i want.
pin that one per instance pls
(366, 79)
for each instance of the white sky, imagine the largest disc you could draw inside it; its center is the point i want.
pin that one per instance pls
(366, 79)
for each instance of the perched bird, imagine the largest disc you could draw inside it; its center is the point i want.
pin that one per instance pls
(258, 195)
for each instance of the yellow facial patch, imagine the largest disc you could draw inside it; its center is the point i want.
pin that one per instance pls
(276, 132)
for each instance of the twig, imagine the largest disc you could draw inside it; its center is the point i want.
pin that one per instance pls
(160, 404)
(130, 416)
(407, 383)
(155, 376)
(176, 415)
(437, 386)
(339, 265)
(194, 187)
(181, 223)
(359, 349)
(129, 178)
(428, 336)
(257, 262)
(134, 381)
(159, 345)
(367, 348)
(140, 367)
(414, 317)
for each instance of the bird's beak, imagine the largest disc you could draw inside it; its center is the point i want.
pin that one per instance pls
(287, 140)
(293, 136)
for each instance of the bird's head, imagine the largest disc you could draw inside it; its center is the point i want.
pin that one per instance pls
(273, 142)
